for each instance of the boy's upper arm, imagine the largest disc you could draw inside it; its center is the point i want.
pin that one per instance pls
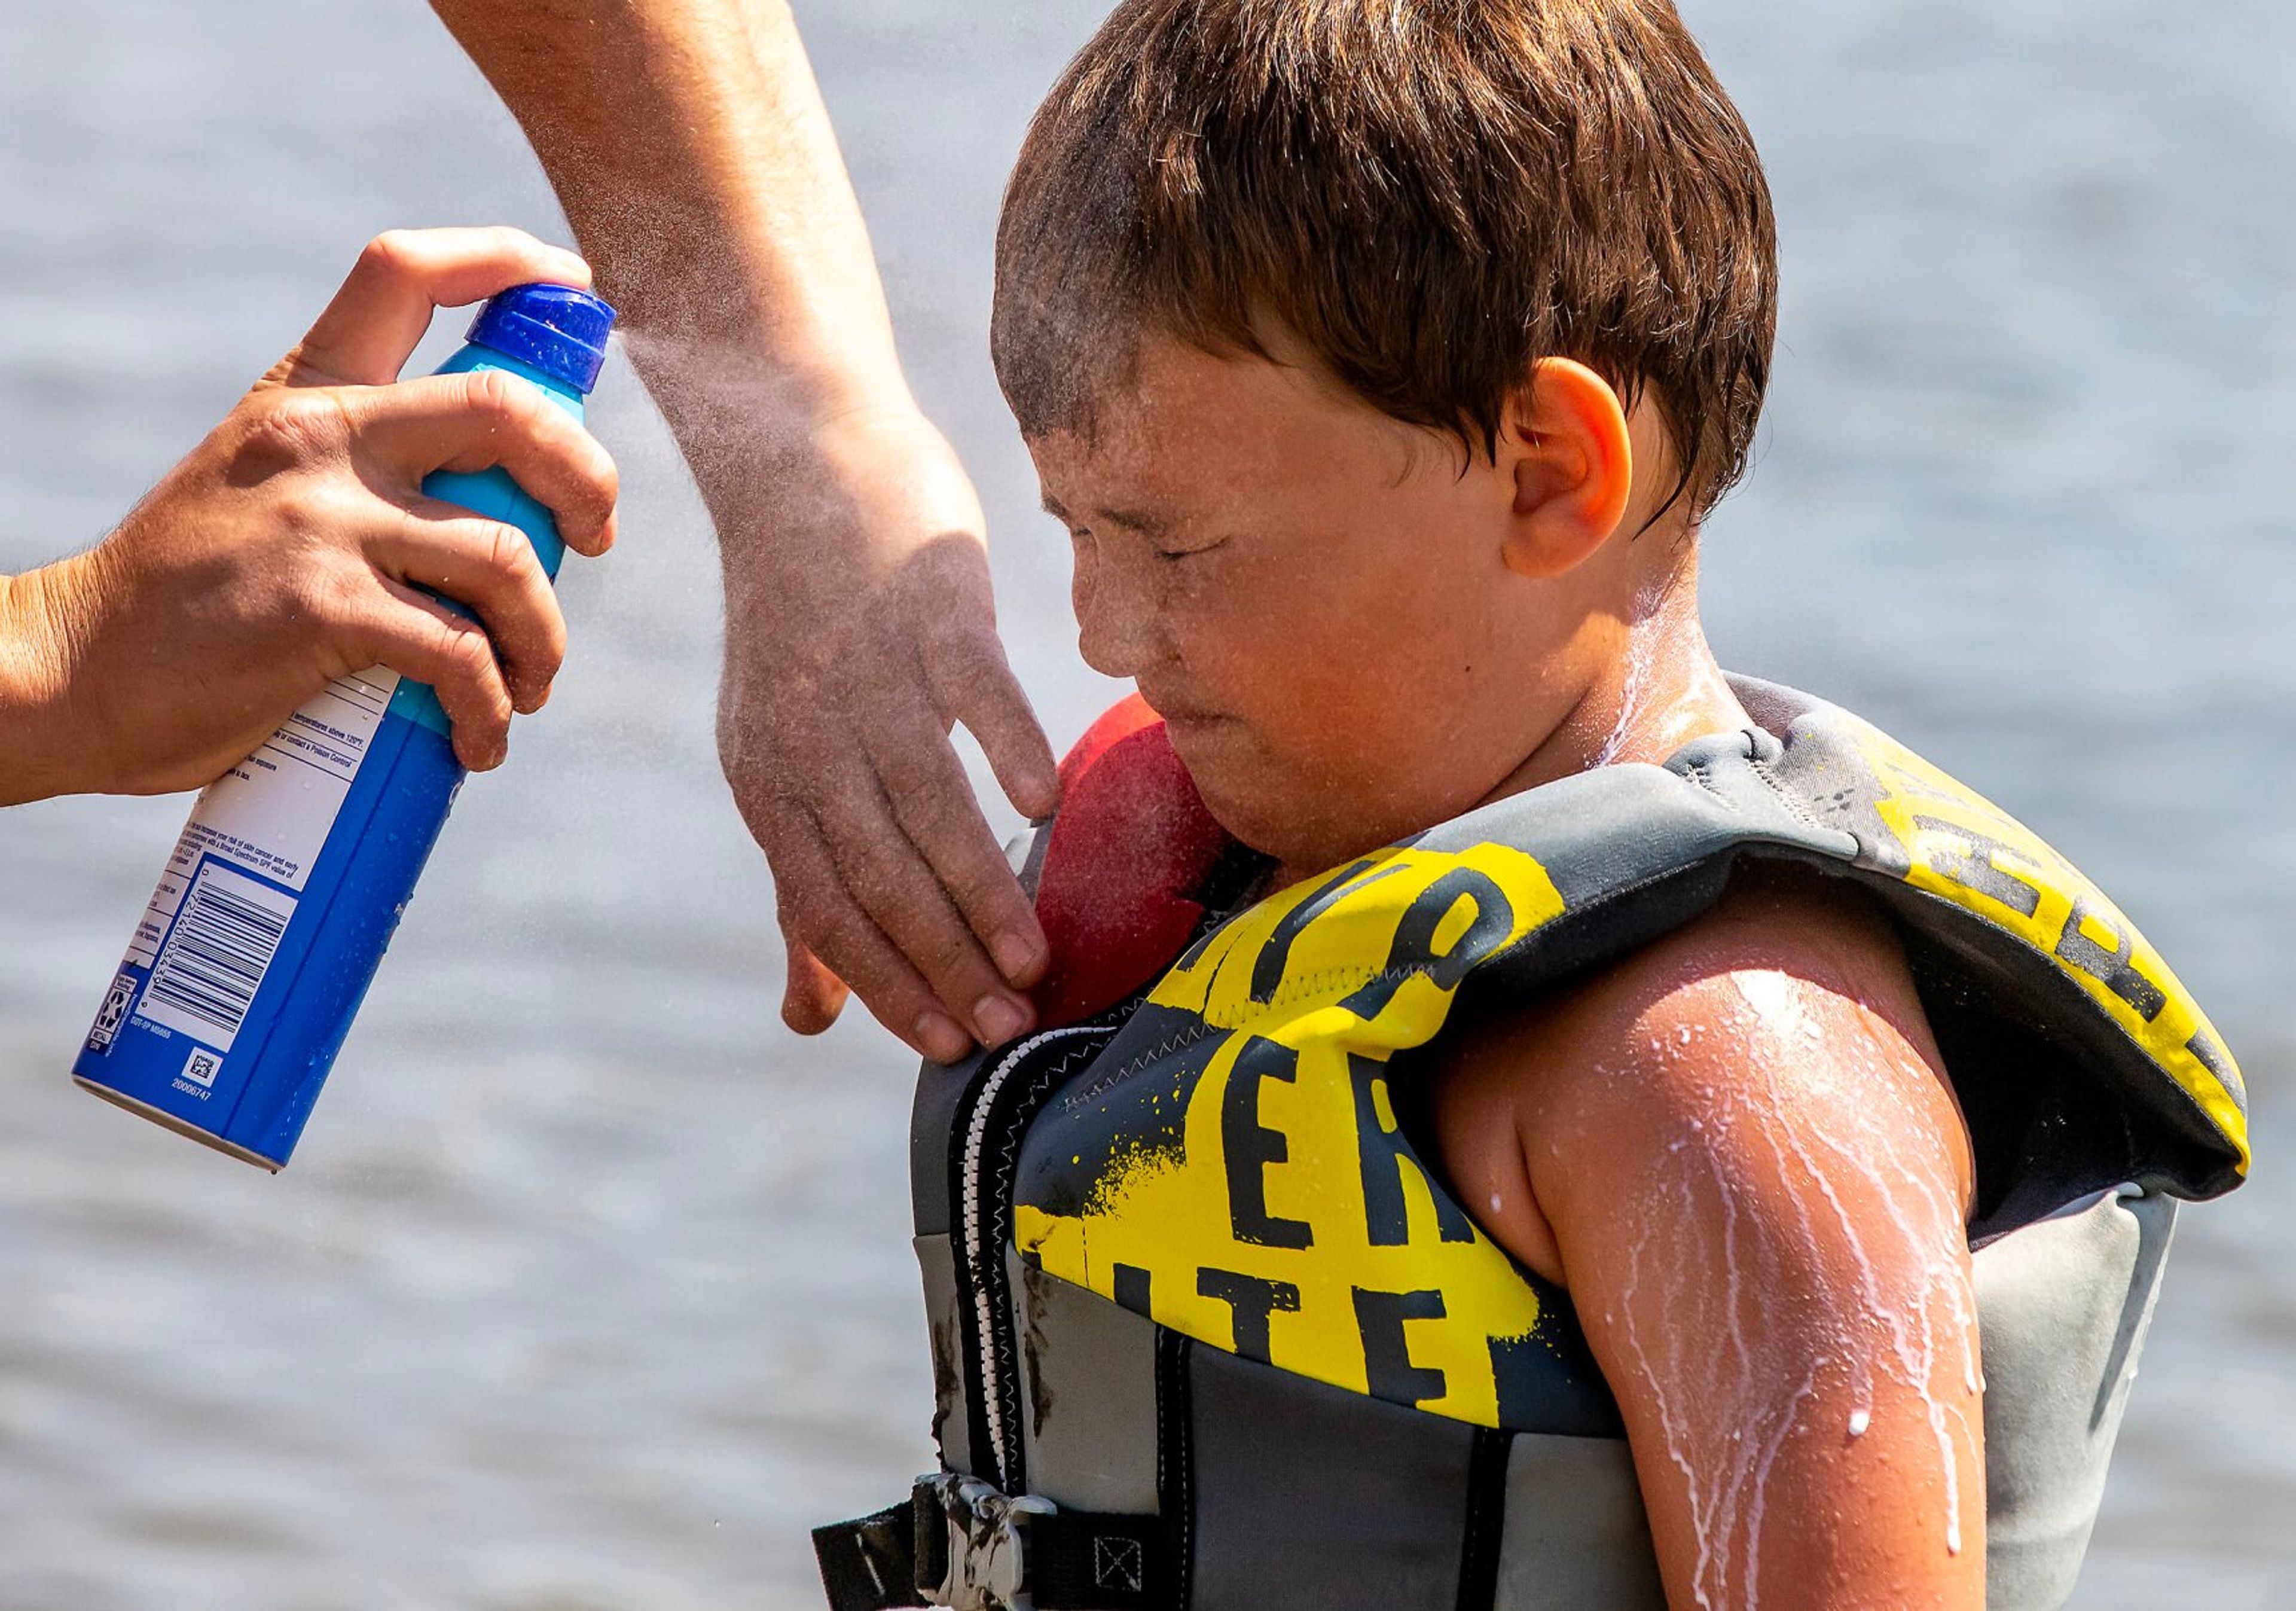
(1737, 1153)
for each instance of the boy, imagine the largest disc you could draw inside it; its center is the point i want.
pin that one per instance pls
(1543, 1167)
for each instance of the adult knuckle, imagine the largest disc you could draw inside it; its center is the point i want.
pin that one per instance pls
(292, 428)
(463, 649)
(330, 505)
(511, 556)
(390, 254)
(801, 695)
(508, 240)
(447, 645)
(502, 400)
(485, 673)
(304, 518)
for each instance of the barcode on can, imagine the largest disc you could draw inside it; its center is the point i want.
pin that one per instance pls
(224, 935)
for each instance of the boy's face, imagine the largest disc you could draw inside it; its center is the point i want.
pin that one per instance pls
(1315, 598)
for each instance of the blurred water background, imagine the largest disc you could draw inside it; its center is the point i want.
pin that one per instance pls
(589, 1287)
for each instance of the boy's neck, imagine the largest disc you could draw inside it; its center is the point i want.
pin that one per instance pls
(1653, 686)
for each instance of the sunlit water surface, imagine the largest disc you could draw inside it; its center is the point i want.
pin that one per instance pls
(590, 1285)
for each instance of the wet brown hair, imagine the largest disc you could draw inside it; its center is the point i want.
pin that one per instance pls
(1429, 195)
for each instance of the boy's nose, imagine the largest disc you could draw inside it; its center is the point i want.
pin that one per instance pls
(1116, 630)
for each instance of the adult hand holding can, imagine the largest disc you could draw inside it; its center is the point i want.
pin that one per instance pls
(274, 912)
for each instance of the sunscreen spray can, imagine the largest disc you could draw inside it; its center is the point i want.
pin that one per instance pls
(273, 913)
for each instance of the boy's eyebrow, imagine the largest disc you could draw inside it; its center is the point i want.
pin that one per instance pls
(1137, 520)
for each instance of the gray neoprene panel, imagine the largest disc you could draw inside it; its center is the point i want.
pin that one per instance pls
(2062, 1307)
(1311, 1496)
(1088, 1388)
(1576, 1537)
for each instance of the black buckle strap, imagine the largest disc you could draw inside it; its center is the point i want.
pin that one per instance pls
(869, 1564)
(959, 1542)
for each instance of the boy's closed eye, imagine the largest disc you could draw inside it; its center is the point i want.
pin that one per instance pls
(1166, 537)
(1179, 554)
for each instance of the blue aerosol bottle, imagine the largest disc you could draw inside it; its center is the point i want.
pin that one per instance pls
(274, 911)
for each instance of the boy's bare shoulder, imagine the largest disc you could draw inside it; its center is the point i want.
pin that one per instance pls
(1787, 1007)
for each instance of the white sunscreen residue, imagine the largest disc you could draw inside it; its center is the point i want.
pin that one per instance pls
(1846, 1190)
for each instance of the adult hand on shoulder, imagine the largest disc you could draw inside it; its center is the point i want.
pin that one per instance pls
(688, 142)
(291, 548)
(859, 629)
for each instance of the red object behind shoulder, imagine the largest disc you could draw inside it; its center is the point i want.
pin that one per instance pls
(1129, 848)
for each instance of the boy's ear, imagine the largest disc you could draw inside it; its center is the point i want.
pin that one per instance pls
(1567, 450)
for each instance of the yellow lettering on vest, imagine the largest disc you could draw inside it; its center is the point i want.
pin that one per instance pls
(1260, 1235)
(1968, 850)
(1383, 1107)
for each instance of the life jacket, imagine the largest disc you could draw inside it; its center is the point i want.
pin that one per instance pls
(1209, 1335)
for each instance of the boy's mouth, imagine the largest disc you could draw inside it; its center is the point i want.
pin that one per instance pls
(1182, 718)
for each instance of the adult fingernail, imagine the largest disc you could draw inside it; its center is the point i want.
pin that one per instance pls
(1015, 956)
(941, 1037)
(999, 1018)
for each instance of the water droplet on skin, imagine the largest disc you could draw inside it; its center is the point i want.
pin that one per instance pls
(1953, 1535)
(1859, 1419)
(1496, 1206)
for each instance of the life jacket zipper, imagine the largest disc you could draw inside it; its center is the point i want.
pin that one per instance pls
(984, 1183)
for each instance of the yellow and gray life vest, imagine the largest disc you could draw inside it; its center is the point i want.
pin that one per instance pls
(1209, 1333)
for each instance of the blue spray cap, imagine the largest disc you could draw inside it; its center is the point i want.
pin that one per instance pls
(559, 330)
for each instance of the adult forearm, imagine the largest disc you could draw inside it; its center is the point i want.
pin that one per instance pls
(690, 148)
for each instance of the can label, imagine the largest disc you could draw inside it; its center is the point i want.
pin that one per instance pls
(217, 921)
